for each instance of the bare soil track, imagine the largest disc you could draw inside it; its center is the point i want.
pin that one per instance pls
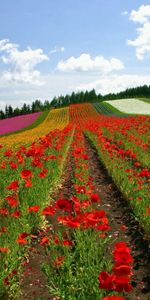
(123, 227)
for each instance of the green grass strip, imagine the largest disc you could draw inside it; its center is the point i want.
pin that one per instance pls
(109, 110)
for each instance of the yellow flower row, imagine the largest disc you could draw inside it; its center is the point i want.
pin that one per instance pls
(56, 119)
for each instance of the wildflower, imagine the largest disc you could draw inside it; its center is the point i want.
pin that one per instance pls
(34, 208)
(26, 174)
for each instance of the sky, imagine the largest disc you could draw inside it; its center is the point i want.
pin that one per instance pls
(54, 47)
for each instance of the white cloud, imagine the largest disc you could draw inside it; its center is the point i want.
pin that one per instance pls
(124, 13)
(85, 63)
(142, 42)
(141, 15)
(57, 49)
(115, 83)
(22, 63)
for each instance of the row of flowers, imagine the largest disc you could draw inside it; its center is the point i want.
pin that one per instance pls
(27, 176)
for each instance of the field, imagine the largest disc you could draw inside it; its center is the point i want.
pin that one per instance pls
(75, 207)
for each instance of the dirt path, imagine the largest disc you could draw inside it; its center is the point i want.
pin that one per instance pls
(123, 225)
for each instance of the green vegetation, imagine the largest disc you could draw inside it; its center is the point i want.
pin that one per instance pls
(107, 109)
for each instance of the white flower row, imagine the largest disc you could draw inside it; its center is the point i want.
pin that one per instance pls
(132, 106)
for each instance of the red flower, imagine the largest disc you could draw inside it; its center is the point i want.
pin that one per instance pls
(21, 241)
(122, 270)
(4, 250)
(106, 281)
(4, 211)
(26, 174)
(16, 214)
(67, 243)
(95, 198)
(28, 183)
(44, 240)
(63, 204)
(49, 210)
(12, 202)
(13, 186)
(34, 208)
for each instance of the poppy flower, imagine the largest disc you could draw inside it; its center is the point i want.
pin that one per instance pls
(21, 241)
(4, 211)
(63, 204)
(13, 186)
(95, 198)
(34, 208)
(26, 174)
(16, 214)
(106, 281)
(12, 202)
(67, 243)
(44, 240)
(49, 210)
(4, 250)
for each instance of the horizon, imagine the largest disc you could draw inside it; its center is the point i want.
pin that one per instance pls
(56, 48)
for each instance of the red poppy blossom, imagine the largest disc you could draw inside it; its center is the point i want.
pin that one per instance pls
(4, 250)
(63, 204)
(34, 208)
(95, 198)
(26, 174)
(13, 186)
(114, 297)
(16, 214)
(49, 210)
(44, 240)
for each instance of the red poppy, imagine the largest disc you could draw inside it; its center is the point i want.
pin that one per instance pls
(28, 183)
(122, 270)
(95, 198)
(4, 250)
(44, 240)
(12, 202)
(67, 243)
(26, 174)
(106, 281)
(21, 241)
(34, 208)
(114, 297)
(13, 185)
(49, 210)
(4, 211)
(16, 214)
(63, 204)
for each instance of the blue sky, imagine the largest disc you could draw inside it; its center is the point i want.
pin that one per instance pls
(53, 47)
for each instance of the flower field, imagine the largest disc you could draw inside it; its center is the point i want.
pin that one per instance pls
(131, 106)
(75, 208)
(17, 123)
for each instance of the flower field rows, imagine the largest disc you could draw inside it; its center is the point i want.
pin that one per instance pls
(131, 106)
(17, 123)
(68, 220)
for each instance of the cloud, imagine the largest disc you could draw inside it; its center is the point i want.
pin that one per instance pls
(124, 13)
(85, 63)
(142, 42)
(22, 63)
(115, 83)
(57, 49)
(142, 15)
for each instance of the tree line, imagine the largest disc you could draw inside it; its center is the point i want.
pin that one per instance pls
(78, 97)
